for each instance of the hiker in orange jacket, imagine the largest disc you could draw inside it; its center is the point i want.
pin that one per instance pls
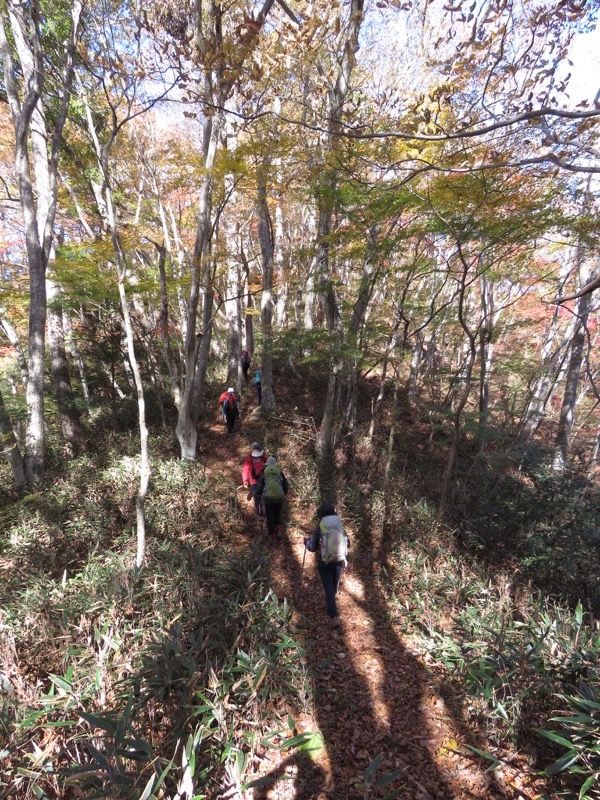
(230, 408)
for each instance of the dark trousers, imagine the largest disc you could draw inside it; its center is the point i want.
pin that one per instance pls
(273, 514)
(258, 393)
(245, 368)
(330, 578)
(230, 419)
(258, 505)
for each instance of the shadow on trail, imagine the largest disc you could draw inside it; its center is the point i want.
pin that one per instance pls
(369, 690)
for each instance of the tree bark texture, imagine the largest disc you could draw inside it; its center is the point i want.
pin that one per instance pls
(10, 448)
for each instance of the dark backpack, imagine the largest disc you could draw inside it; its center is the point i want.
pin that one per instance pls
(246, 357)
(273, 484)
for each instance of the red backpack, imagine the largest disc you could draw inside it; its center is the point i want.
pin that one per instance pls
(230, 401)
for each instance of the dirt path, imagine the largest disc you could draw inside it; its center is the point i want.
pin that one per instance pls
(374, 697)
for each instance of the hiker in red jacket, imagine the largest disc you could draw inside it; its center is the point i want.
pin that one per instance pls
(251, 470)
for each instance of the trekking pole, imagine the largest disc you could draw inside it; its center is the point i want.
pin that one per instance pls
(303, 560)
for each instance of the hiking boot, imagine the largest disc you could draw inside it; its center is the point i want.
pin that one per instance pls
(336, 622)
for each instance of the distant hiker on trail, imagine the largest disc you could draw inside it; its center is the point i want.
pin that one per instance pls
(258, 384)
(273, 487)
(230, 408)
(246, 361)
(251, 471)
(330, 541)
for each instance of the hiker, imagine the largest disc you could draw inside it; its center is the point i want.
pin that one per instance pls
(251, 471)
(258, 384)
(330, 542)
(246, 361)
(273, 487)
(230, 408)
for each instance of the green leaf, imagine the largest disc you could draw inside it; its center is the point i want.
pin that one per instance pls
(148, 788)
(579, 613)
(555, 737)
(307, 742)
(105, 723)
(389, 777)
(588, 785)
(372, 768)
(488, 756)
(61, 683)
(561, 764)
(267, 780)
(60, 723)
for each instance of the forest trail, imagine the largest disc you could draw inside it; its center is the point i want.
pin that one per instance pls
(373, 695)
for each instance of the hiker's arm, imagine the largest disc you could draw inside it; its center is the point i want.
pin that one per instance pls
(312, 542)
(246, 472)
(285, 484)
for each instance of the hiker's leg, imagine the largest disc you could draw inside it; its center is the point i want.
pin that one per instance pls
(278, 515)
(230, 422)
(337, 575)
(258, 394)
(256, 495)
(328, 580)
(270, 515)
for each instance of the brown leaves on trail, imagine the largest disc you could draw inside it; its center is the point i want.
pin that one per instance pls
(385, 728)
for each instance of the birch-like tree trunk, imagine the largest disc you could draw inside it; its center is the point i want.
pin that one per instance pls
(265, 237)
(554, 351)
(233, 314)
(37, 182)
(567, 411)
(107, 210)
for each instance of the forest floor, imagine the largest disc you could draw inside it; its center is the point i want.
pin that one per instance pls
(374, 695)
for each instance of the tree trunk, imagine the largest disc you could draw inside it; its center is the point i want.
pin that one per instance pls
(69, 415)
(233, 312)
(10, 448)
(188, 415)
(13, 338)
(249, 317)
(326, 201)
(265, 236)
(76, 354)
(38, 202)
(466, 369)
(567, 411)
(163, 321)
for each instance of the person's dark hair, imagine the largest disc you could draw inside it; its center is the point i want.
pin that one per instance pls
(325, 510)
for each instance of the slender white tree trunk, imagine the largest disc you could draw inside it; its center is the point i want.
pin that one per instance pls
(567, 411)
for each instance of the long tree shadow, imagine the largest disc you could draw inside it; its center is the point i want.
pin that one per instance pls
(370, 692)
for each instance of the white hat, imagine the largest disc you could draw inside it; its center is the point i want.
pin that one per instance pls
(231, 389)
(257, 452)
